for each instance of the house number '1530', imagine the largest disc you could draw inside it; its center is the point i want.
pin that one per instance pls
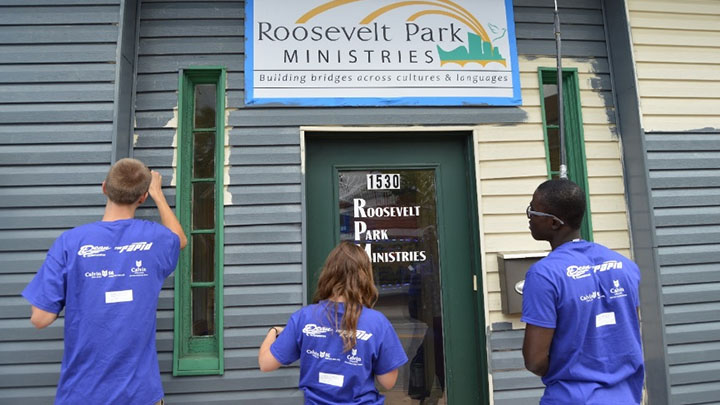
(380, 181)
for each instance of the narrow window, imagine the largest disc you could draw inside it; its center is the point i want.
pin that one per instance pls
(574, 137)
(198, 339)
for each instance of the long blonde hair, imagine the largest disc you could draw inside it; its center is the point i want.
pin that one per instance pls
(347, 273)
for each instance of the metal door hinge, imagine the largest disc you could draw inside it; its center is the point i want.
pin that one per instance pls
(474, 282)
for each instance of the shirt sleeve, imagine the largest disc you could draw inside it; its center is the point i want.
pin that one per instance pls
(538, 303)
(286, 349)
(172, 253)
(391, 354)
(47, 289)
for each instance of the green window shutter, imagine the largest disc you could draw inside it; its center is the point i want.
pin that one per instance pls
(198, 328)
(574, 136)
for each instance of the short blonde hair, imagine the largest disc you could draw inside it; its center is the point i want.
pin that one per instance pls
(127, 180)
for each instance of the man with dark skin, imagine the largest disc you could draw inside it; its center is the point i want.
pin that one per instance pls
(580, 305)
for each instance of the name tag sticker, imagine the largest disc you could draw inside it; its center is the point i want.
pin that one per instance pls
(112, 297)
(606, 318)
(331, 379)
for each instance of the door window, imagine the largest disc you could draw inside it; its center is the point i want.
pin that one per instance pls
(392, 214)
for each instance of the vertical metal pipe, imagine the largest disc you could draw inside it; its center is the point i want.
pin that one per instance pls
(561, 111)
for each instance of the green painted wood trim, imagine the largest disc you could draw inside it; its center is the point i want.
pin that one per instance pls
(476, 260)
(193, 355)
(575, 145)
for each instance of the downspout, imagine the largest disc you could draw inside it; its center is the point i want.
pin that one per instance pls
(561, 111)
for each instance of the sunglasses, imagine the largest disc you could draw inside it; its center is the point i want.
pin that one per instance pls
(530, 213)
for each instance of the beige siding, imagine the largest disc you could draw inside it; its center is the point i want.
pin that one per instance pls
(512, 164)
(677, 53)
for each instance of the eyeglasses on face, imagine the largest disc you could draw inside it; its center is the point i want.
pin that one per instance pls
(530, 213)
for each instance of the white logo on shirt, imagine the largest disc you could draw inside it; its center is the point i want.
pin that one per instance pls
(578, 272)
(103, 274)
(617, 291)
(353, 359)
(138, 270)
(608, 265)
(595, 295)
(321, 355)
(359, 334)
(135, 246)
(313, 330)
(362, 335)
(92, 250)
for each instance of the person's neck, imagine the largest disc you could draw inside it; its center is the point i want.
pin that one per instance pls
(337, 299)
(117, 212)
(564, 237)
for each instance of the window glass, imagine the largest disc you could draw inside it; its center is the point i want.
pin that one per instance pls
(553, 144)
(551, 104)
(204, 106)
(203, 311)
(393, 215)
(203, 201)
(203, 257)
(203, 155)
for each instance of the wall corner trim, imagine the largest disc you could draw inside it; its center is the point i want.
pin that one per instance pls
(124, 89)
(637, 185)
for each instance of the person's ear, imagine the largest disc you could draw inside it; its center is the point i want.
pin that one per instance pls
(556, 224)
(104, 190)
(142, 198)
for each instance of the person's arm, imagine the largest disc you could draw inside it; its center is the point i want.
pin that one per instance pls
(46, 291)
(40, 318)
(167, 216)
(266, 360)
(390, 355)
(536, 348)
(388, 380)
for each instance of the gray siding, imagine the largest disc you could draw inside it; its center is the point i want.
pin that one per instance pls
(684, 175)
(57, 78)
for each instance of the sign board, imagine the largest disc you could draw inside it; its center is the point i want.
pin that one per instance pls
(381, 52)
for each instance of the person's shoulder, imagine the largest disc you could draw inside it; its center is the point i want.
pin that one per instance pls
(139, 222)
(153, 228)
(80, 231)
(310, 311)
(611, 254)
(373, 315)
(547, 264)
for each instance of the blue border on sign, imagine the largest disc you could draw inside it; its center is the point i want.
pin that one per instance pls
(516, 98)
(249, 51)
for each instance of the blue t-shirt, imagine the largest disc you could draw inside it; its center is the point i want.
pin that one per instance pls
(589, 295)
(329, 375)
(107, 276)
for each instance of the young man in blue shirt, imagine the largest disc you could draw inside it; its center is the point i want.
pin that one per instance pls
(580, 304)
(108, 275)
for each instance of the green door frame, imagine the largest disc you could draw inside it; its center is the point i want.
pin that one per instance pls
(315, 256)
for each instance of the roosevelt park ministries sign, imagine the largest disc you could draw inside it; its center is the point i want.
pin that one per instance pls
(381, 52)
